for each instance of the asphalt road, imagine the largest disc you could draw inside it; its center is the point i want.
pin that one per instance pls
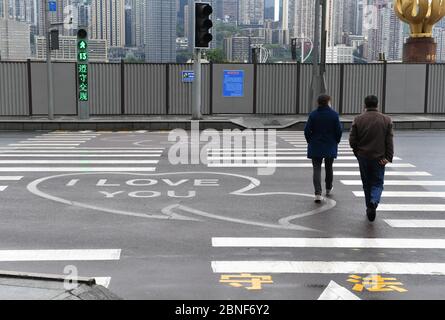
(113, 205)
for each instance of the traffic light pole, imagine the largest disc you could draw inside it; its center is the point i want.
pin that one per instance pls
(49, 65)
(196, 97)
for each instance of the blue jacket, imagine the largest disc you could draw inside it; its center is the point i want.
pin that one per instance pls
(323, 133)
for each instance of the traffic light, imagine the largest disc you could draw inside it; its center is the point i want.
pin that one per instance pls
(82, 64)
(294, 49)
(203, 24)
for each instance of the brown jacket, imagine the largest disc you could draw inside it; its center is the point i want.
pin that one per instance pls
(372, 136)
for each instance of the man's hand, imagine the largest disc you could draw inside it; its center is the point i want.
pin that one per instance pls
(383, 162)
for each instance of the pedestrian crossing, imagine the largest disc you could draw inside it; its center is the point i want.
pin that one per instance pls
(71, 152)
(345, 166)
(397, 189)
(328, 267)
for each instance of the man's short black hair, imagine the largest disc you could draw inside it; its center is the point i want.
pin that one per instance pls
(371, 102)
(324, 100)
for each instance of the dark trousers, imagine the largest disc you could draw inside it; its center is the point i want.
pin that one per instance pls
(316, 164)
(373, 178)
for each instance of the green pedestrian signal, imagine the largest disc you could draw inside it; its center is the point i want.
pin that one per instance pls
(82, 64)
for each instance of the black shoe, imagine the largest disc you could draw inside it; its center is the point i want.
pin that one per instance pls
(371, 214)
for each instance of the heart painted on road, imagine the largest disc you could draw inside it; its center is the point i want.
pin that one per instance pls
(190, 196)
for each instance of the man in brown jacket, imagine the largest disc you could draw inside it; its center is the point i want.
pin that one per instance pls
(371, 139)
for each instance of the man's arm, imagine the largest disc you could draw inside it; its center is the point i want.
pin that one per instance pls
(339, 129)
(308, 129)
(353, 140)
(389, 155)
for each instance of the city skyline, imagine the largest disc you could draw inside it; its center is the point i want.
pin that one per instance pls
(159, 31)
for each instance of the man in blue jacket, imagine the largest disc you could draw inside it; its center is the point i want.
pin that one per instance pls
(323, 134)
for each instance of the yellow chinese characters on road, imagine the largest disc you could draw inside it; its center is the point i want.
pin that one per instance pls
(376, 283)
(246, 280)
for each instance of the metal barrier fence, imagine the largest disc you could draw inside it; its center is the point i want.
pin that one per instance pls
(158, 89)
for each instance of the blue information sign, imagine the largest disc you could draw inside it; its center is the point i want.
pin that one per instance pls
(233, 84)
(188, 76)
(52, 6)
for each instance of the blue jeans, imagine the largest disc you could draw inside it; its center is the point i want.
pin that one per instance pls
(373, 178)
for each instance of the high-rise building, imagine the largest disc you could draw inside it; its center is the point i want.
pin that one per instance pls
(160, 31)
(340, 54)
(251, 12)
(230, 10)
(14, 40)
(97, 49)
(439, 35)
(237, 49)
(301, 18)
(386, 33)
(138, 11)
(334, 22)
(4, 9)
(108, 21)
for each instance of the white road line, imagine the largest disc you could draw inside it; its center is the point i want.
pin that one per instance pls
(79, 162)
(60, 255)
(11, 178)
(3, 188)
(11, 151)
(266, 157)
(412, 207)
(388, 173)
(295, 165)
(336, 292)
(37, 148)
(55, 141)
(43, 144)
(77, 169)
(380, 243)
(414, 223)
(259, 153)
(397, 183)
(405, 194)
(250, 149)
(328, 267)
(43, 155)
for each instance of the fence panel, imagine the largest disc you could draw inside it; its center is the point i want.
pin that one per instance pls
(105, 89)
(14, 95)
(405, 88)
(436, 92)
(64, 75)
(332, 82)
(277, 88)
(180, 93)
(361, 80)
(145, 89)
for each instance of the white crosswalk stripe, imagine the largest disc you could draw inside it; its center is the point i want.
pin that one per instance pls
(415, 223)
(405, 194)
(355, 243)
(60, 255)
(328, 267)
(62, 152)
